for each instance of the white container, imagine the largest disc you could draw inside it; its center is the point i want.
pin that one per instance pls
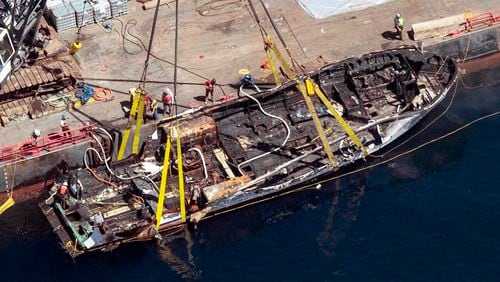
(84, 12)
(62, 16)
(102, 10)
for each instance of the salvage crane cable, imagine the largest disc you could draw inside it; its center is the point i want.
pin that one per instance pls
(264, 33)
(176, 41)
(141, 86)
(318, 184)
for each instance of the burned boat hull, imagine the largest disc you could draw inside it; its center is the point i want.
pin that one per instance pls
(260, 145)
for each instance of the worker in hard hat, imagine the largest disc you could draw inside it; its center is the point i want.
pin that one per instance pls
(35, 134)
(154, 109)
(65, 125)
(167, 97)
(399, 24)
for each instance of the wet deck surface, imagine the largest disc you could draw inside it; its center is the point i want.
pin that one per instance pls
(217, 43)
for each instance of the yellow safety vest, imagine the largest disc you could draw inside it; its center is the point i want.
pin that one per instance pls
(401, 22)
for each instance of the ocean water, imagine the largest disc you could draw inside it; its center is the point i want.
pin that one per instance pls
(430, 215)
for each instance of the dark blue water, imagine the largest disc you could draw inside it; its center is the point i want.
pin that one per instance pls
(431, 215)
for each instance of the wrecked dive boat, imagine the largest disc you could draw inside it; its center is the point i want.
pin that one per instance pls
(259, 145)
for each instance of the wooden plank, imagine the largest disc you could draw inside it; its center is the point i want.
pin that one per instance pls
(10, 86)
(16, 83)
(60, 67)
(36, 76)
(51, 73)
(25, 77)
(29, 78)
(66, 70)
(224, 189)
(116, 212)
(19, 78)
(222, 158)
(42, 72)
(63, 69)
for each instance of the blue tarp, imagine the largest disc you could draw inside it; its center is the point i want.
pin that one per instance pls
(320, 9)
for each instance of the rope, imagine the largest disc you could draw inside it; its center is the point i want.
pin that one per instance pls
(148, 53)
(58, 101)
(306, 187)
(102, 94)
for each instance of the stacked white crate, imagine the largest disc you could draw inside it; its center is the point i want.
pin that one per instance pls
(83, 11)
(61, 14)
(66, 14)
(118, 7)
(102, 10)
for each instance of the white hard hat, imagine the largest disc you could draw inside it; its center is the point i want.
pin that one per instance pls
(36, 132)
(398, 15)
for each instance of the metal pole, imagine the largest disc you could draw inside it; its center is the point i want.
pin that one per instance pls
(175, 53)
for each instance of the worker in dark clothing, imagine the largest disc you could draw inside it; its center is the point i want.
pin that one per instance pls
(399, 23)
(209, 89)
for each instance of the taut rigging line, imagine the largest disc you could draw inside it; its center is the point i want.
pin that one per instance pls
(148, 51)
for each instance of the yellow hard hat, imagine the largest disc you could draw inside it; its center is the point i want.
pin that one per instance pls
(243, 71)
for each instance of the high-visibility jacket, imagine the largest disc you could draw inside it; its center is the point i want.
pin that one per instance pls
(399, 22)
(154, 104)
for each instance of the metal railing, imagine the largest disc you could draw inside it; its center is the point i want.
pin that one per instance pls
(37, 146)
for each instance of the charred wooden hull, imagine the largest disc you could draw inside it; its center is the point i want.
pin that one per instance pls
(256, 147)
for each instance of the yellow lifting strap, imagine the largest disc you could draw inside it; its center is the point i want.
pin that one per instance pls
(337, 116)
(268, 47)
(6, 205)
(137, 110)
(292, 75)
(181, 177)
(317, 123)
(138, 123)
(288, 70)
(163, 184)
